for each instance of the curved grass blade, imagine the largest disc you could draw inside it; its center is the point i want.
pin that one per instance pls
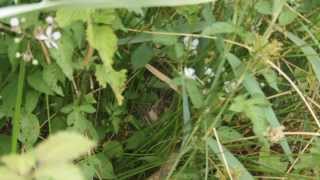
(308, 51)
(252, 86)
(241, 172)
(54, 4)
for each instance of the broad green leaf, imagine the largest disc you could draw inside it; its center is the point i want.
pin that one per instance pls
(52, 75)
(141, 56)
(97, 166)
(63, 54)
(31, 100)
(66, 16)
(20, 164)
(308, 51)
(252, 86)
(63, 147)
(9, 95)
(62, 171)
(239, 171)
(36, 81)
(102, 38)
(29, 130)
(252, 108)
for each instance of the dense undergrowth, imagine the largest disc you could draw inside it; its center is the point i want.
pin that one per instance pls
(224, 89)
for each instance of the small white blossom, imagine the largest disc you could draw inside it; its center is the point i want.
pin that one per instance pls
(262, 84)
(209, 72)
(18, 55)
(191, 44)
(49, 37)
(190, 73)
(35, 62)
(50, 20)
(27, 56)
(14, 22)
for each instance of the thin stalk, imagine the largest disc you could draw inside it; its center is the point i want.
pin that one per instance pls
(17, 112)
(48, 113)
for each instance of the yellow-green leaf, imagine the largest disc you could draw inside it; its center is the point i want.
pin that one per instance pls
(102, 38)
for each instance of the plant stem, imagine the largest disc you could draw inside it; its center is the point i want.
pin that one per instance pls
(17, 111)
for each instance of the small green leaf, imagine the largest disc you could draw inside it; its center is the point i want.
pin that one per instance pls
(164, 40)
(112, 149)
(194, 93)
(52, 75)
(264, 7)
(63, 147)
(31, 101)
(227, 133)
(63, 55)
(141, 56)
(29, 130)
(286, 17)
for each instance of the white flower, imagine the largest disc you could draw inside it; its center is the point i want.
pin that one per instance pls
(194, 44)
(190, 73)
(49, 37)
(209, 72)
(35, 62)
(186, 41)
(50, 20)
(14, 22)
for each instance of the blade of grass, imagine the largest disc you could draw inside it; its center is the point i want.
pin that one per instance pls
(20, 9)
(252, 86)
(234, 164)
(17, 110)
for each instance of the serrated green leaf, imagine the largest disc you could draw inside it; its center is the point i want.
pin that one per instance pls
(63, 55)
(104, 40)
(63, 147)
(52, 75)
